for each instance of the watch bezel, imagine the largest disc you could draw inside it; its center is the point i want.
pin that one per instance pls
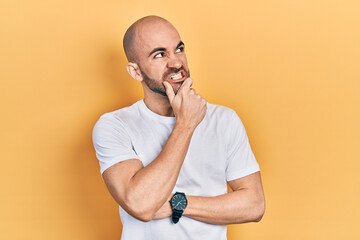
(175, 200)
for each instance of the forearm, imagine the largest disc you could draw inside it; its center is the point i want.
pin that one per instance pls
(151, 186)
(236, 207)
(240, 206)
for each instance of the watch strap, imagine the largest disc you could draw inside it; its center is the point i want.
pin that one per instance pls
(176, 215)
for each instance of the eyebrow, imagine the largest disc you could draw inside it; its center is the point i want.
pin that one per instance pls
(180, 43)
(164, 49)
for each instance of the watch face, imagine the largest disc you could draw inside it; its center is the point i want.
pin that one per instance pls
(179, 202)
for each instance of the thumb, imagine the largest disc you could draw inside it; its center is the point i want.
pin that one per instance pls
(169, 91)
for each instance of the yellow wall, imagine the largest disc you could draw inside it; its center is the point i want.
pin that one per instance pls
(291, 69)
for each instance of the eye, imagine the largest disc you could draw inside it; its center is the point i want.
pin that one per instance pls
(160, 54)
(180, 49)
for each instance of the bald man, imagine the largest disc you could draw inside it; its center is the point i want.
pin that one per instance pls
(167, 159)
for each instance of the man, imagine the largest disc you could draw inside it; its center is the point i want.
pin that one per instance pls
(167, 159)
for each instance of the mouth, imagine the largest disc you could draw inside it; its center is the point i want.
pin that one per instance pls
(177, 77)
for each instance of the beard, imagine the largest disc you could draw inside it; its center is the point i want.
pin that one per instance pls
(157, 86)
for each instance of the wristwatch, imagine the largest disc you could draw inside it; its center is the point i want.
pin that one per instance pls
(178, 204)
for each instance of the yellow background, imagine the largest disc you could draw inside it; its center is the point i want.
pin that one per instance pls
(290, 69)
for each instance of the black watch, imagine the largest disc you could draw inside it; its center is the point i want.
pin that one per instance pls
(178, 204)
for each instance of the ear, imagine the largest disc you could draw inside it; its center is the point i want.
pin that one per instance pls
(134, 71)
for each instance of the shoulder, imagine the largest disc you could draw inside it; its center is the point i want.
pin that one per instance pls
(220, 112)
(224, 118)
(116, 120)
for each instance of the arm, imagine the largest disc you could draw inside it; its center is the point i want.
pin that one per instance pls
(140, 190)
(245, 204)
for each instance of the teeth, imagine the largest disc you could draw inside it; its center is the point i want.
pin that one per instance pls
(176, 77)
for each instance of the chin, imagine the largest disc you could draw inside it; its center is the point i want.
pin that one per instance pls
(176, 87)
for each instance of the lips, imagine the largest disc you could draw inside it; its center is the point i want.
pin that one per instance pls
(177, 77)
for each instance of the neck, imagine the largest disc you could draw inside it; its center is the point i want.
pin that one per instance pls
(158, 103)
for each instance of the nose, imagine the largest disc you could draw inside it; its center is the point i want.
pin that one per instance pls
(174, 62)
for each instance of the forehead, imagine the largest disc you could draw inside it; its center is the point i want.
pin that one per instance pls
(156, 35)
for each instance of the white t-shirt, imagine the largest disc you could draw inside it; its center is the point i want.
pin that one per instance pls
(219, 152)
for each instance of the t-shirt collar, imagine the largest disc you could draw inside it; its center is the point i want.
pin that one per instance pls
(144, 109)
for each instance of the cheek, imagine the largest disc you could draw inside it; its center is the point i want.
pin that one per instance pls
(155, 71)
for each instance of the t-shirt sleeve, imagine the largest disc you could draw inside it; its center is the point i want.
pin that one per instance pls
(240, 158)
(112, 142)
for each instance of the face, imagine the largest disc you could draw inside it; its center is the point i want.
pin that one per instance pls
(161, 57)
(179, 202)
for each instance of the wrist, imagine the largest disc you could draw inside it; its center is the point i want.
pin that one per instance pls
(187, 210)
(184, 127)
(178, 205)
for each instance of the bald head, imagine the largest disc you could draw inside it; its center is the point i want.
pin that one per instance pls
(131, 36)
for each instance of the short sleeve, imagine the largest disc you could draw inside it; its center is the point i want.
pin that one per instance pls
(112, 142)
(240, 158)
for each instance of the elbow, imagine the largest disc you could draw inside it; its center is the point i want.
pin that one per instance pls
(259, 217)
(260, 211)
(139, 210)
(143, 216)
(139, 213)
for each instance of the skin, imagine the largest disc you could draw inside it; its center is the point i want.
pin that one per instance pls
(130, 182)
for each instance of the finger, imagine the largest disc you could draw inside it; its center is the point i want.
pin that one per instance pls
(186, 84)
(203, 101)
(169, 91)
